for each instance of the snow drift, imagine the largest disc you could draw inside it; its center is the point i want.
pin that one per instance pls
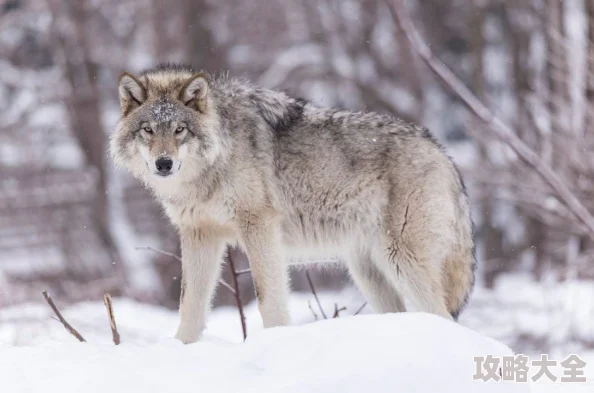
(409, 352)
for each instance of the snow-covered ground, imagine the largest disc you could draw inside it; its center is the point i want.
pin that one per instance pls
(409, 352)
(556, 317)
(369, 353)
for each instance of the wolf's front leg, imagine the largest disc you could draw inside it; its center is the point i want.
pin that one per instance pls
(261, 237)
(202, 254)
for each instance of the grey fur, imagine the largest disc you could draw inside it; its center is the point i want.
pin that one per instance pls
(287, 180)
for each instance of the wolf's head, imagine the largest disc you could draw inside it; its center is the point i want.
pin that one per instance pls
(169, 125)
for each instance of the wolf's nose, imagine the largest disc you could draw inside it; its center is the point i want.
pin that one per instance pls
(164, 165)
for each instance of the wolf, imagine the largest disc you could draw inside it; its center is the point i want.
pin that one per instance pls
(288, 181)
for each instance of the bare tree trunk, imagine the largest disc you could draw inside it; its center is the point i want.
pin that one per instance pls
(491, 235)
(84, 112)
(201, 48)
(523, 82)
(589, 125)
(162, 40)
(586, 243)
(560, 105)
(411, 74)
(557, 75)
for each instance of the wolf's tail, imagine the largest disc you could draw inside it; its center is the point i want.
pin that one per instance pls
(458, 282)
(460, 265)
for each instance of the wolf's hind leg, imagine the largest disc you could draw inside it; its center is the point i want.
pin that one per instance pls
(377, 290)
(416, 275)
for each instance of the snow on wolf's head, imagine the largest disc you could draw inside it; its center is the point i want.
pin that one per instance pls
(169, 127)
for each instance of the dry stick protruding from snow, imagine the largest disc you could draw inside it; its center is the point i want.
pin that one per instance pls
(503, 131)
(234, 275)
(360, 308)
(337, 310)
(66, 325)
(312, 310)
(112, 323)
(313, 290)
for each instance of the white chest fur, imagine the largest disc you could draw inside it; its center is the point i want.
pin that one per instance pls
(187, 204)
(191, 213)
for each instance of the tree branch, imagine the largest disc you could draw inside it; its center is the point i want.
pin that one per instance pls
(313, 290)
(312, 310)
(66, 325)
(234, 275)
(360, 308)
(159, 251)
(503, 132)
(337, 310)
(243, 271)
(112, 323)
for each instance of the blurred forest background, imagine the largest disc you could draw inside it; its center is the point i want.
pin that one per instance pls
(72, 223)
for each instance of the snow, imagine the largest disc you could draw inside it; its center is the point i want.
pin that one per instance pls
(411, 352)
(376, 353)
(163, 111)
(556, 316)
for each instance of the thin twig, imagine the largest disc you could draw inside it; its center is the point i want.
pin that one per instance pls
(503, 131)
(337, 310)
(312, 310)
(360, 308)
(236, 293)
(229, 287)
(178, 258)
(112, 323)
(159, 251)
(66, 325)
(313, 290)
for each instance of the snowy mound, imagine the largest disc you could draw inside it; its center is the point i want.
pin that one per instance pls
(410, 352)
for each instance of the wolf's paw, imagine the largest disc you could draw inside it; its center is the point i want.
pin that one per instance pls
(188, 335)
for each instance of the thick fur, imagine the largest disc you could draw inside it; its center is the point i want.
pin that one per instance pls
(291, 182)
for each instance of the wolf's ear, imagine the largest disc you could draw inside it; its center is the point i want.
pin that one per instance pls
(194, 92)
(132, 93)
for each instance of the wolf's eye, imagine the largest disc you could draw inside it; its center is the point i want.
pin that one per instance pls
(148, 130)
(180, 129)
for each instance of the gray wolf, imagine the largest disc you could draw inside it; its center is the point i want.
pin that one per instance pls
(288, 181)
